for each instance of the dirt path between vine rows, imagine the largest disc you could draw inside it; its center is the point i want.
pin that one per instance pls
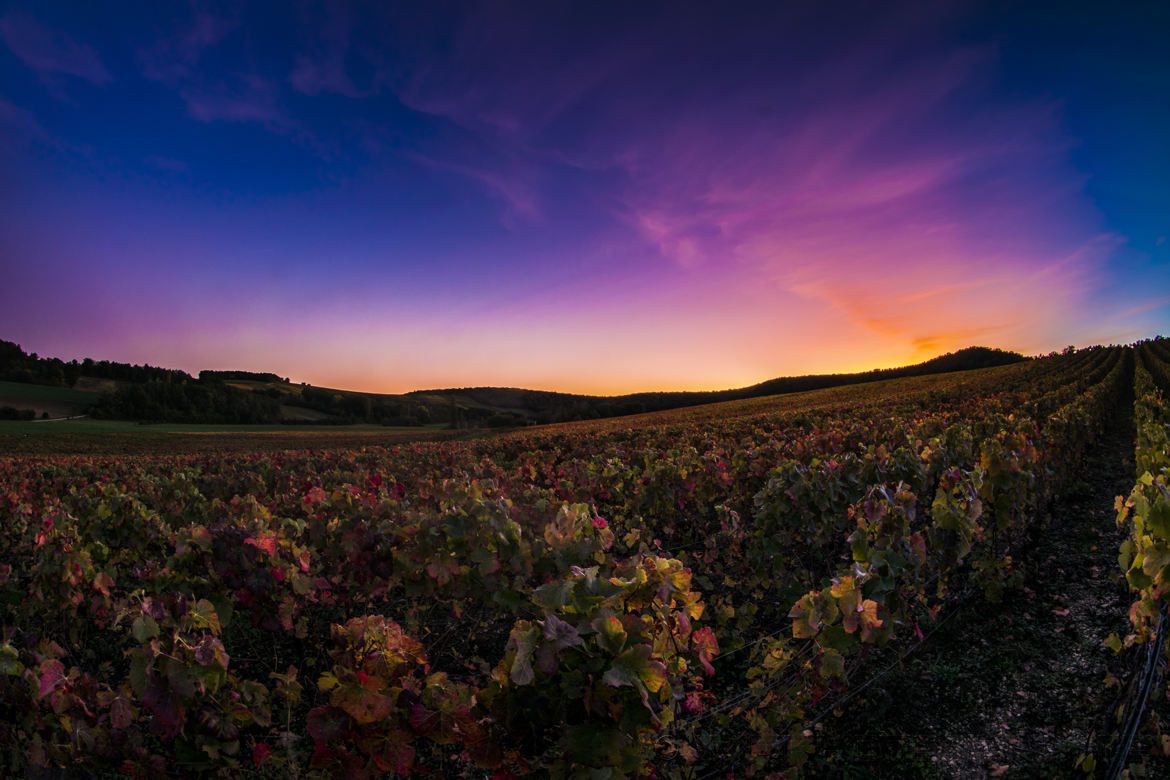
(1016, 689)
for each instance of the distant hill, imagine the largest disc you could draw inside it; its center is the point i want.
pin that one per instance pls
(543, 406)
(151, 394)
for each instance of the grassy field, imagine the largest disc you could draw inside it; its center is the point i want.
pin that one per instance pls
(39, 427)
(93, 437)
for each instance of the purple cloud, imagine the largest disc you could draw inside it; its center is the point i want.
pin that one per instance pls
(51, 53)
(877, 185)
(513, 186)
(250, 99)
(509, 75)
(175, 58)
(20, 123)
(315, 76)
(321, 66)
(167, 164)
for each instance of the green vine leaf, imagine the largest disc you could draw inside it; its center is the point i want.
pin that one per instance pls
(525, 640)
(144, 627)
(636, 668)
(611, 634)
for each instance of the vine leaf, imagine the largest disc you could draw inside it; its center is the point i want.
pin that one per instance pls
(203, 615)
(707, 646)
(103, 583)
(559, 632)
(525, 639)
(611, 634)
(144, 628)
(833, 664)
(52, 675)
(636, 668)
(326, 725)
(362, 704)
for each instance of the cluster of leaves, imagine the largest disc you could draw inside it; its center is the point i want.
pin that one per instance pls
(1144, 555)
(1145, 513)
(525, 603)
(903, 558)
(117, 628)
(608, 662)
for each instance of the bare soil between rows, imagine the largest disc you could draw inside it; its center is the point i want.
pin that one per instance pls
(1015, 689)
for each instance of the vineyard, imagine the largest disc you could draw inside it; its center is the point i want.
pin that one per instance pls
(686, 594)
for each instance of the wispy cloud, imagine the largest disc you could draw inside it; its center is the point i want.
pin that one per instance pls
(721, 192)
(249, 98)
(19, 123)
(512, 76)
(49, 52)
(320, 66)
(1141, 308)
(918, 226)
(510, 187)
(877, 183)
(167, 164)
(315, 75)
(179, 60)
(174, 59)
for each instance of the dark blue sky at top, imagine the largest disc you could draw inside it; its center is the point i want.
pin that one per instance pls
(1107, 66)
(327, 161)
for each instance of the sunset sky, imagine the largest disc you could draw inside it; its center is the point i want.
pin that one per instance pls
(587, 197)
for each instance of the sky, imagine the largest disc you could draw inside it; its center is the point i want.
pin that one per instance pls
(597, 197)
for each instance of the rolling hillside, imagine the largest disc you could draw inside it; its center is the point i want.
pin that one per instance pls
(52, 388)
